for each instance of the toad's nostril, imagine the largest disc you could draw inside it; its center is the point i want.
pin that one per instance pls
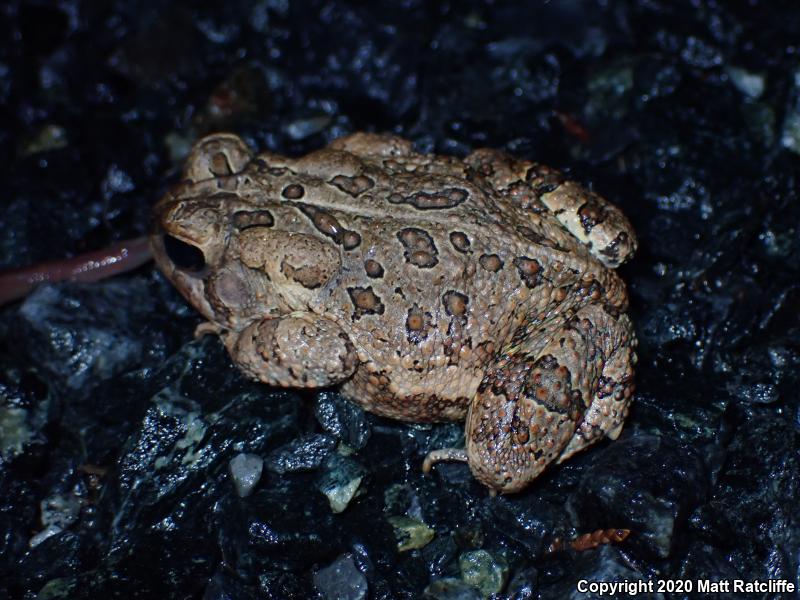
(184, 256)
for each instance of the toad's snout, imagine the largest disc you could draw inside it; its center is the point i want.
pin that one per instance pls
(188, 245)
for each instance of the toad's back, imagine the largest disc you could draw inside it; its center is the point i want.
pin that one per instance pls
(442, 266)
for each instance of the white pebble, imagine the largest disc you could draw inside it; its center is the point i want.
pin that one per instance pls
(245, 469)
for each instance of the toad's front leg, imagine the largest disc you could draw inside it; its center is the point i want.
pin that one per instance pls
(297, 350)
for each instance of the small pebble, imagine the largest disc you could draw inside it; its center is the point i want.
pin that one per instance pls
(300, 129)
(485, 571)
(750, 84)
(341, 580)
(410, 533)
(245, 470)
(341, 481)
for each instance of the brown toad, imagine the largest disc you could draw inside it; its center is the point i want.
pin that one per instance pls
(431, 288)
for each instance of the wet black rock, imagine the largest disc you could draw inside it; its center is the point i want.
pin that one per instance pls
(107, 339)
(223, 586)
(754, 498)
(524, 585)
(601, 566)
(342, 419)
(117, 429)
(645, 483)
(303, 454)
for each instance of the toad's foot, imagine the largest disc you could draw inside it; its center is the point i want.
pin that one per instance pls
(443, 454)
(207, 328)
(448, 454)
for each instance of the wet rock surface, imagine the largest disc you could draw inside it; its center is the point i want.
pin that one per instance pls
(117, 428)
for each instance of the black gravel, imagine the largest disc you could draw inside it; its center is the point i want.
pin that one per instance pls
(117, 428)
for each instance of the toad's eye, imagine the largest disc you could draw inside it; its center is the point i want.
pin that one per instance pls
(184, 256)
(244, 219)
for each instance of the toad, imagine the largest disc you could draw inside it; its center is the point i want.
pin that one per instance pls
(429, 288)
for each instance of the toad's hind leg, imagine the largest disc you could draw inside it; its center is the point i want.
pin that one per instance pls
(606, 414)
(540, 407)
(590, 218)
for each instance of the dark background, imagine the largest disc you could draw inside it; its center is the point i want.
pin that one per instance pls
(116, 428)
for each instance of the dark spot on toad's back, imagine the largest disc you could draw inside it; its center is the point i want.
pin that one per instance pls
(460, 241)
(544, 179)
(447, 198)
(353, 185)
(323, 221)
(529, 269)
(612, 250)
(373, 268)
(329, 225)
(537, 238)
(365, 301)
(418, 323)
(245, 219)
(491, 262)
(591, 213)
(419, 249)
(350, 240)
(455, 303)
(293, 191)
